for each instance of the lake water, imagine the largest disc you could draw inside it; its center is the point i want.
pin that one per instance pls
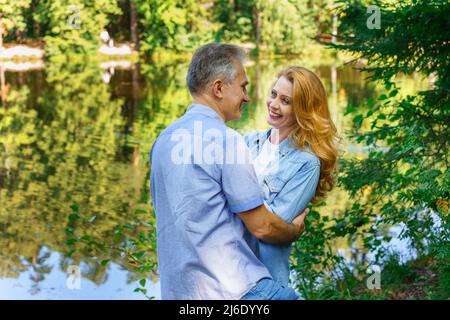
(79, 132)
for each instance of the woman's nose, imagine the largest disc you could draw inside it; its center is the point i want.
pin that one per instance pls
(273, 104)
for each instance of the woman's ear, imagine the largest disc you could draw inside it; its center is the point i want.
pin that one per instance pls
(217, 88)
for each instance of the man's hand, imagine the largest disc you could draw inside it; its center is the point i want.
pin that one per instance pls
(299, 222)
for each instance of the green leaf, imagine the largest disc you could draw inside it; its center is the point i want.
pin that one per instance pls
(382, 97)
(393, 93)
(118, 231)
(99, 245)
(71, 241)
(139, 254)
(128, 226)
(104, 262)
(74, 216)
(71, 251)
(74, 207)
(140, 211)
(358, 120)
(70, 231)
(350, 109)
(313, 215)
(142, 282)
(85, 237)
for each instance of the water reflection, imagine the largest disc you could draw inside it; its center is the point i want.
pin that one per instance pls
(49, 281)
(81, 133)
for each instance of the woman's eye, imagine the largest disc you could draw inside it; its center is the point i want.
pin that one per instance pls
(273, 94)
(285, 102)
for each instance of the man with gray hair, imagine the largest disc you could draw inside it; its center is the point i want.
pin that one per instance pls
(209, 207)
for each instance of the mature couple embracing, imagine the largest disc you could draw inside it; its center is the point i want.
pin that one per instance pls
(228, 207)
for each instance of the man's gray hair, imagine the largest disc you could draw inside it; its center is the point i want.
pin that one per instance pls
(212, 61)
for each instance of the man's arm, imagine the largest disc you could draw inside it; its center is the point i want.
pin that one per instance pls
(270, 228)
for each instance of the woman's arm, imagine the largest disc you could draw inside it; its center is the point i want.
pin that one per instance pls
(269, 228)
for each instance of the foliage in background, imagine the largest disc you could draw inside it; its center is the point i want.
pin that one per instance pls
(174, 25)
(285, 26)
(12, 16)
(405, 178)
(134, 242)
(73, 26)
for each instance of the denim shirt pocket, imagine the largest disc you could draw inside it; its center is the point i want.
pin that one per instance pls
(272, 186)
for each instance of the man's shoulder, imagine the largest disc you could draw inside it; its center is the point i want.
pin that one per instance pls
(181, 123)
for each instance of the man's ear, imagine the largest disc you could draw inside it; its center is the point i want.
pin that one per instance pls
(217, 88)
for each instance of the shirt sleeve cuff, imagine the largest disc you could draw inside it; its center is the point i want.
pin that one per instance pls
(247, 205)
(268, 207)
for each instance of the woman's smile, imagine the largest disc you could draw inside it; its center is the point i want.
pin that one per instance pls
(274, 115)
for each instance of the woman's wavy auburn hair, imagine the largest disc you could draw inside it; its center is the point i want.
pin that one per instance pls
(315, 128)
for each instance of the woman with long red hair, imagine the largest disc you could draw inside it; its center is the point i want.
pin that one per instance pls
(295, 160)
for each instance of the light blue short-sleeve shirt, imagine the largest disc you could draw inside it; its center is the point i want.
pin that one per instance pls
(201, 176)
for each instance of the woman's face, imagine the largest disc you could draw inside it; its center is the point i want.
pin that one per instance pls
(279, 105)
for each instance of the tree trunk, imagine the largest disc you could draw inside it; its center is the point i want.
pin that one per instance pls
(135, 71)
(231, 12)
(2, 84)
(134, 109)
(334, 107)
(134, 25)
(2, 30)
(257, 27)
(257, 80)
(334, 32)
(36, 26)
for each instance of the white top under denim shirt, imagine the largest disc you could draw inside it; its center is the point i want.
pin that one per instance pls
(266, 156)
(288, 183)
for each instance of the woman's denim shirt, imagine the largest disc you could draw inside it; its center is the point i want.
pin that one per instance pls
(288, 187)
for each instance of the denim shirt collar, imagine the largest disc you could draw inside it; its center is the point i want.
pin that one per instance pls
(283, 148)
(205, 110)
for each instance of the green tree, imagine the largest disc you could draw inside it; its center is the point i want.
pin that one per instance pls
(236, 20)
(174, 25)
(12, 16)
(74, 25)
(286, 25)
(408, 167)
(405, 178)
